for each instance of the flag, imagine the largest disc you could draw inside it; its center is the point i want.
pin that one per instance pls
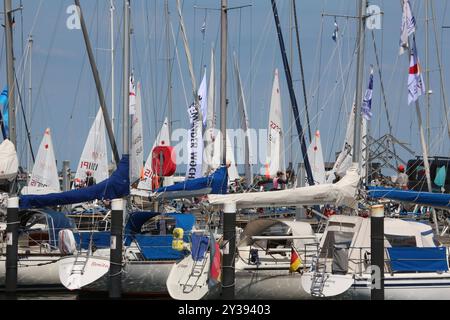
(367, 102)
(5, 113)
(203, 99)
(336, 30)
(296, 262)
(408, 26)
(416, 87)
(215, 263)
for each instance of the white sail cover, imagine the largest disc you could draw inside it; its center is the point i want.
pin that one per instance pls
(315, 156)
(275, 143)
(209, 135)
(137, 142)
(342, 193)
(232, 169)
(44, 178)
(9, 164)
(163, 139)
(94, 158)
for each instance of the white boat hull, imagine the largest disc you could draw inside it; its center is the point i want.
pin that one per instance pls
(185, 282)
(139, 278)
(416, 286)
(34, 272)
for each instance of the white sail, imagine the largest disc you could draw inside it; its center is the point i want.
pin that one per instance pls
(195, 143)
(137, 142)
(344, 159)
(245, 124)
(94, 158)
(232, 169)
(163, 139)
(44, 178)
(315, 156)
(275, 143)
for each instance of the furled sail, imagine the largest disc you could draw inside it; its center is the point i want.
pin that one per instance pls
(315, 156)
(137, 142)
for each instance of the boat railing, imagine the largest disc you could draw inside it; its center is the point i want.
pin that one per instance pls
(359, 260)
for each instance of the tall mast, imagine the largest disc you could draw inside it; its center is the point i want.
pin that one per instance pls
(10, 71)
(223, 77)
(113, 98)
(126, 78)
(294, 104)
(30, 100)
(359, 81)
(169, 67)
(427, 71)
(98, 84)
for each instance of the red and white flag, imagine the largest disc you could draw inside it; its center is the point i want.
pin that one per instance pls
(416, 86)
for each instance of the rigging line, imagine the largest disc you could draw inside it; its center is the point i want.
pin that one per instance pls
(24, 117)
(297, 32)
(445, 106)
(179, 65)
(320, 64)
(382, 88)
(52, 41)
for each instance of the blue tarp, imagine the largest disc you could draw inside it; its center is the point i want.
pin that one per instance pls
(117, 186)
(137, 219)
(424, 198)
(183, 220)
(200, 245)
(412, 259)
(218, 182)
(157, 247)
(101, 239)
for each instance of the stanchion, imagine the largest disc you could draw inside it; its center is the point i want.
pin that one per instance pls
(12, 220)
(377, 251)
(115, 268)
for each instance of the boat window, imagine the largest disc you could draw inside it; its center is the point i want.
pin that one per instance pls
(335, 239)
(343, 224)
(401, 241)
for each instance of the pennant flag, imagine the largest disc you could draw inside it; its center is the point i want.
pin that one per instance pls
(216, 261)
(367, 102)
(5, 113)
(441, 174)
(416, 87)
(296, 262)
(336, 31)
(408, 26)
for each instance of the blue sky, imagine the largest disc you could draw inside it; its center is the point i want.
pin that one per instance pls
(64, 96)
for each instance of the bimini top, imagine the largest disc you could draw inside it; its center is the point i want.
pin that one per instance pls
(342, 193)
(439, 200)
(117, 186)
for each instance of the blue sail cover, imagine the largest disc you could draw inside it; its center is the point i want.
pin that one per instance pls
(117, 186)
(412, 259)
(423, 198)
(218, 182)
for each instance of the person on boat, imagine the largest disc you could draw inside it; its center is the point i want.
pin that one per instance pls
(90, 180)
(278, 182)
(401, 181)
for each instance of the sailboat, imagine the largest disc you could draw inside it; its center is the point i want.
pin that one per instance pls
(44, 177)
(315, 156)
(275, 142)
(94, 158)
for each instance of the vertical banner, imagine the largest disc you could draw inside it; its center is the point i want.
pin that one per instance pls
(195, 144)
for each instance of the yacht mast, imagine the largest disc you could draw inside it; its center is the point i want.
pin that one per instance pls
(169, 66)
(113, 100)
(10, 71)
(98, 84)
(356, 157)
(294, 104)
